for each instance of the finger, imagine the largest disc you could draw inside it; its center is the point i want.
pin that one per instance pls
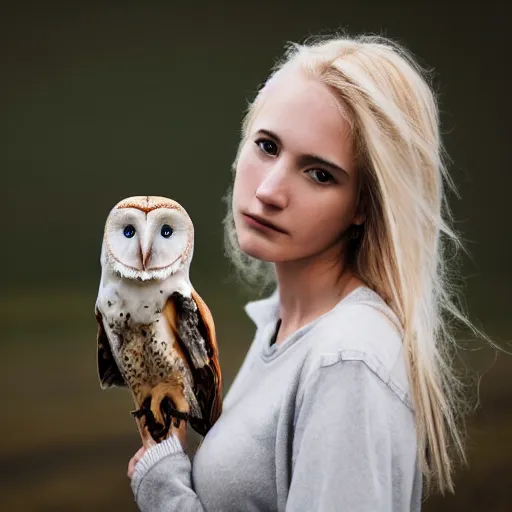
(131, 466)
(140, 452)
(133, 461)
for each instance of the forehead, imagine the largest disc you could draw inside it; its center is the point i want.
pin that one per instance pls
(306, 116)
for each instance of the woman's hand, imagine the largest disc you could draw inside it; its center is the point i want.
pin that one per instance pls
(148, 442)
(134, 460)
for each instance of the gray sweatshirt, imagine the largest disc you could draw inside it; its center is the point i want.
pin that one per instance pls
(322, 422)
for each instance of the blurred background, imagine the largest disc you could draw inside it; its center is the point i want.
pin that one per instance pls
(103, 101)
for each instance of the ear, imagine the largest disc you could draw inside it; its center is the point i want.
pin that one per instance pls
(360, 215)
(359, 218)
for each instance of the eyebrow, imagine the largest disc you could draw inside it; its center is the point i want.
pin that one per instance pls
(306, 159)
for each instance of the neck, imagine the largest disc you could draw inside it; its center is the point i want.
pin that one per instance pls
(310, 287)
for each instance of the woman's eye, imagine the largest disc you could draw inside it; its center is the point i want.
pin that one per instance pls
(166, 231)
(321, 176)
(267, 146)
(129, 231)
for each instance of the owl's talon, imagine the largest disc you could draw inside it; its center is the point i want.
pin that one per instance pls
(171, 415)
(144, 409)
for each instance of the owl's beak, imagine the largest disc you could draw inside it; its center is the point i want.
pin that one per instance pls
(146, 253)
(145, 259)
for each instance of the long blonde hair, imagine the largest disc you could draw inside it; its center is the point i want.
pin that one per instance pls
(402, 253)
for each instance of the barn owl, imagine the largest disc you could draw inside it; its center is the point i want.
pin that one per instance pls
(156, 335)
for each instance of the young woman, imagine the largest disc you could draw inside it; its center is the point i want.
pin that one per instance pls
(346, 399)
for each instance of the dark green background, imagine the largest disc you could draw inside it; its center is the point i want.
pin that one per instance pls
(100, 102)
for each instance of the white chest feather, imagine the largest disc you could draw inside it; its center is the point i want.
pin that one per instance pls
(140, 338)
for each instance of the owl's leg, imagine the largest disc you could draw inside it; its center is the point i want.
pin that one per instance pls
(163, 408)
(168, 403)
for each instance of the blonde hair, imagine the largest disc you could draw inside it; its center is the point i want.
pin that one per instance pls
(402, 253)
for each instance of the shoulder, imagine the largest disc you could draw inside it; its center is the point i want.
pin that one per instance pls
(362, 329)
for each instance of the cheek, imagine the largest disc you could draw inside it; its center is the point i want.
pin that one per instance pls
(247, 177)
(327, 218)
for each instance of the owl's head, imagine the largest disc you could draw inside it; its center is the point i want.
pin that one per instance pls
(148, 237)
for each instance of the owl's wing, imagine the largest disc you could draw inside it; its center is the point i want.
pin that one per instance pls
(213, 353)
(191, 319)
(108, 372)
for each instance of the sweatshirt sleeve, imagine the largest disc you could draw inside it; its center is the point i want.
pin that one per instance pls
(354, 446)
(162, 480)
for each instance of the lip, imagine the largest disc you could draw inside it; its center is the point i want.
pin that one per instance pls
(261, 223)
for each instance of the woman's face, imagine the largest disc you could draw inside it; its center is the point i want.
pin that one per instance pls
(295, 172)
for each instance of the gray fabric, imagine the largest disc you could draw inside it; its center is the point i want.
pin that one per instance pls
(322, 422)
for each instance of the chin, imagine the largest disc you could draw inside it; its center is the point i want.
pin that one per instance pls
(261, 249)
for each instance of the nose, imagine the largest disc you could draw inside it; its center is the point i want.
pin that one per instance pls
(272, 189)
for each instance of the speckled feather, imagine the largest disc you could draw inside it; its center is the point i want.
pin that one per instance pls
(155, 332)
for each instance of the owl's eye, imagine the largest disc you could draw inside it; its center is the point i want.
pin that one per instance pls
(129, 231)
(166, 231)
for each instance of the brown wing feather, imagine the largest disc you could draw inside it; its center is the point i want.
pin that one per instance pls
(171, 315)
(204, 365)
(108, 372)
(211, 342)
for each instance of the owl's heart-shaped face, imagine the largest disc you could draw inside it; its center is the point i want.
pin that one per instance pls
(148, 241)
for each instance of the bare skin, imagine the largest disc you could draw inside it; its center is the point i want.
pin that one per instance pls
(312, 201)
(297, 171)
